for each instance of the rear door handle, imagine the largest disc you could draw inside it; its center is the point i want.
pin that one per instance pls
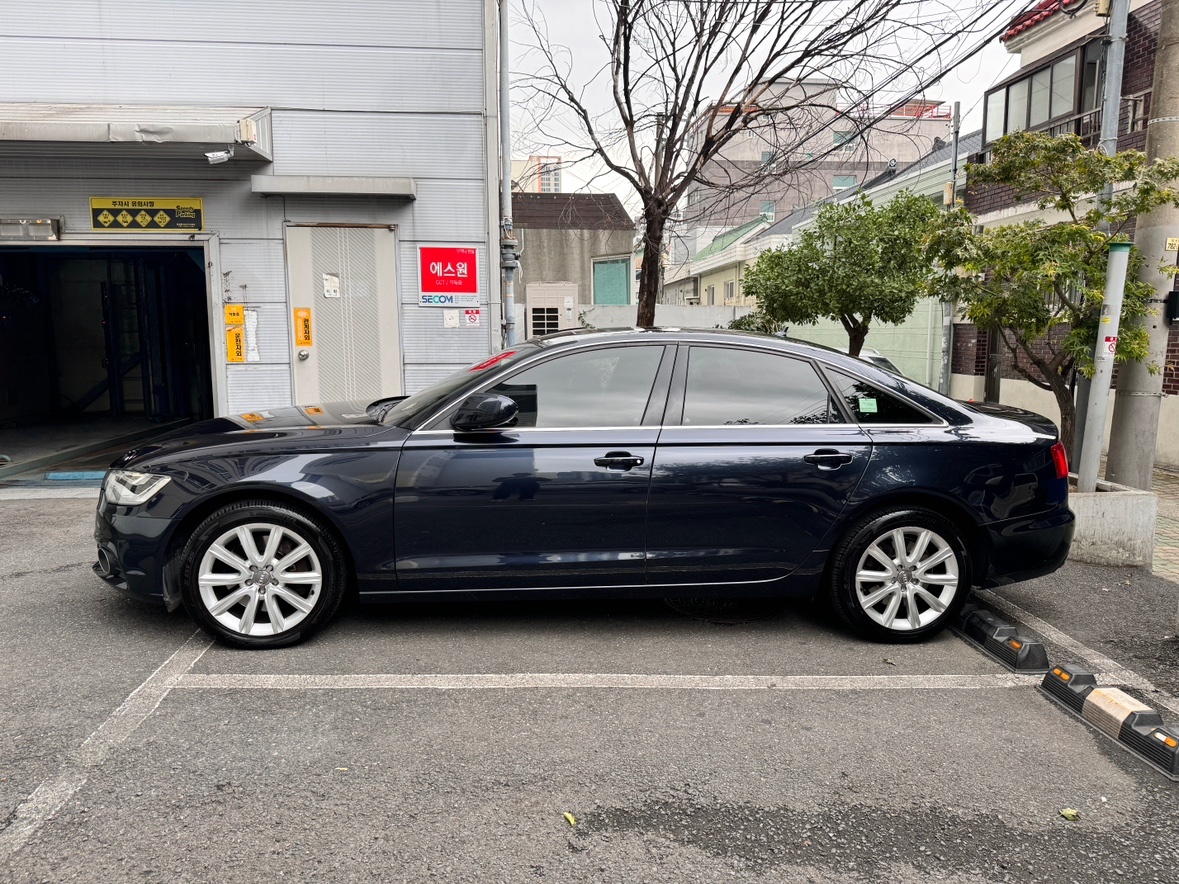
(828, 458)
(618, 460)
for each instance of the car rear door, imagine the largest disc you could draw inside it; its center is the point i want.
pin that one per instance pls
(559, 500)
(755, 463)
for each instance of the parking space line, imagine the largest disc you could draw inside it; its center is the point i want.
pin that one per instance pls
(1110, 670)
(524, 680)
(51, 794)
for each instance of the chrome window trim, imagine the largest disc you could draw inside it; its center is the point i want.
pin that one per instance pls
(660, 428)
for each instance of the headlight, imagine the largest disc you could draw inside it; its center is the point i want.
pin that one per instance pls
(126, 488)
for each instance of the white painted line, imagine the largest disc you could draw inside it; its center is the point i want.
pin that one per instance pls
(48, 797)
(513, 681)
(43, 493)
(1106, 668)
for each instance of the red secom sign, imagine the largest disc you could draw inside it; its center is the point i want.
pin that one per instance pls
(448, 270)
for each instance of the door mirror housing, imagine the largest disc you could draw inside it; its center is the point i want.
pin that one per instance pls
(484, 411)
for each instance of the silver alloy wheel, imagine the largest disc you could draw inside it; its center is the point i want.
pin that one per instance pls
(907, 578)
(260, 579)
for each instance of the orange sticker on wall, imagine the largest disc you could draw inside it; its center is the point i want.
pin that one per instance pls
(302, 326)
(235, 344)
(235, 314)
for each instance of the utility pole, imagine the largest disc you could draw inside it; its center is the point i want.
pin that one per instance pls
(1107, 330)
(1103, 361)
(1118, 12)
(509, 262)
(951, 198)
(1139, 397)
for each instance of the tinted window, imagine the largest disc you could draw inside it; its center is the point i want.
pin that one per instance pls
(598, 388)
(748, 387)
(422, 402)
(871, 405)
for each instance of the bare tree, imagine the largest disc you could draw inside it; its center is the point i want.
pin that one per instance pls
(684, 78)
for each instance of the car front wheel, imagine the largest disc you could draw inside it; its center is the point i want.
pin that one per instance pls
(261, 575)
(900, 575)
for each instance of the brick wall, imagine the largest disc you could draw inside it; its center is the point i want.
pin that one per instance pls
(968, 354)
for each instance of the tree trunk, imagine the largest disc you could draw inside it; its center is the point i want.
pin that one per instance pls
(651, 274)
(856, 333)
(1068, 413)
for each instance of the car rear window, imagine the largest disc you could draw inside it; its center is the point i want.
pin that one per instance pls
(871, 405)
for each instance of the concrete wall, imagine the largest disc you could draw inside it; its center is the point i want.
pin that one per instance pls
(568, 255)
(668, 315)
(915, 345)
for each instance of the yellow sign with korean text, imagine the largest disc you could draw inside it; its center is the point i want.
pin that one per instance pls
(302, 326)
(235, 314)
(1173, 243)
(235, 343)
(147, 214)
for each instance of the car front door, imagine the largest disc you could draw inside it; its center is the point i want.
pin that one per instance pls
(755, 463)
(557, 500)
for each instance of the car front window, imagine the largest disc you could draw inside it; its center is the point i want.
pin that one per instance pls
(595, 388)
(421, 403)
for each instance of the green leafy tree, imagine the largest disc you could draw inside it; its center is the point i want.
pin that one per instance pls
(1041, 283)
(857, 263)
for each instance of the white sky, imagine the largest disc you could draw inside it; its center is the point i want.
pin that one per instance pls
(572, 24)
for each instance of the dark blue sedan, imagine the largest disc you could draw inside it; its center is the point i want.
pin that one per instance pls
(659, 463)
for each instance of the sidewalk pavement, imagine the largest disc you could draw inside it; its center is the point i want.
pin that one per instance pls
(1166, 535)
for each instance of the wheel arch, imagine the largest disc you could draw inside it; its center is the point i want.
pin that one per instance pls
(973, 535)
(183, 529)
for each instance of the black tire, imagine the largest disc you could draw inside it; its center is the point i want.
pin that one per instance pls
(288, 603)
(853, 599)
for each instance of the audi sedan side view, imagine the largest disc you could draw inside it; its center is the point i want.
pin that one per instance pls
(636, 463)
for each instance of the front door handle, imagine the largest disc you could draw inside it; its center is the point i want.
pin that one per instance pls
(828, 458)
(618, 460)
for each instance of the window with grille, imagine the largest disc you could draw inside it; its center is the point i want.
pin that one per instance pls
(545, 320)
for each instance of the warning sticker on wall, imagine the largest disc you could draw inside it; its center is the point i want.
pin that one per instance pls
(302, 326)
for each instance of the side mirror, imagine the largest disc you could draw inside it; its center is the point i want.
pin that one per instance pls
(484, 411)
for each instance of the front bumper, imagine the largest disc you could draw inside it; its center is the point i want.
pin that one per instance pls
(1023, 548)
(132, 553)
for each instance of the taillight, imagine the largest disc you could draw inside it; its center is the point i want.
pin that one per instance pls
(1060, 460)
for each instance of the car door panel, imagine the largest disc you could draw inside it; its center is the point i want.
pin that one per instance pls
(754, 467)
(745, 506)
(538, 507)
(531, 510)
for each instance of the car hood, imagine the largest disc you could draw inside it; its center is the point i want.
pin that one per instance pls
(327, 425)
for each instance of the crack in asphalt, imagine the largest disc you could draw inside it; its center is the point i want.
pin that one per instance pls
(58, 569)
(864, 842)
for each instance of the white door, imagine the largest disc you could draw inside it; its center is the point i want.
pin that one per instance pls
(344, 313)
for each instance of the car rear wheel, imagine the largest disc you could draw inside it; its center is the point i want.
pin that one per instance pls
(257, 574)
(900, 575)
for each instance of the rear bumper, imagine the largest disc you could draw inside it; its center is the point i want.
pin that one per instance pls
(1021, 549)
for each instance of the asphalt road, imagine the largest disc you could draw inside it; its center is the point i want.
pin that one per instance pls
(446, 743)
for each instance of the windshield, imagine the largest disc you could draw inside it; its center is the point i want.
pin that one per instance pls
(420, 404)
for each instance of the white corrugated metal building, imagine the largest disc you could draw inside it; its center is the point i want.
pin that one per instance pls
(221, 206)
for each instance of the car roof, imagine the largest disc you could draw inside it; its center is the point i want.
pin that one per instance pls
(694, 335)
